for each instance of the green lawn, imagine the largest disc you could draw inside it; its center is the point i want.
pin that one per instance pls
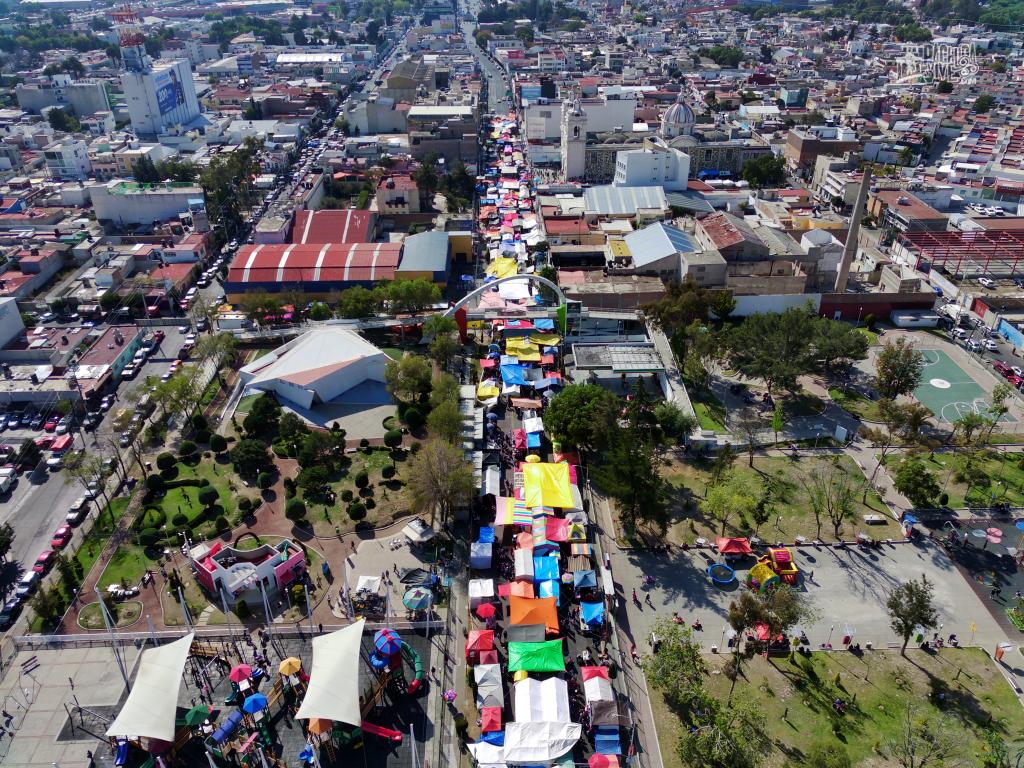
(855, 404)
(125, 614)
(1004, 478)
(246, 403)
(185, 500)
(871, 336)
(389, 499)
(393, 352)
(796, 699)
(791, 514)
(126, 566)
(709, 409)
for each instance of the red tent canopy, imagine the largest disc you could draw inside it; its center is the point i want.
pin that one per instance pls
(490, 719)
(727, 546)
(488, 657)
(589, 673)
(479, 640)
(597, 760)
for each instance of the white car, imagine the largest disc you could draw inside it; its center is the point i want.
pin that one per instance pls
(990, 345)
(987, 282)
(973, 344)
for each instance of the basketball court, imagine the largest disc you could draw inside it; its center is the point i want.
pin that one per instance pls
(948, 391)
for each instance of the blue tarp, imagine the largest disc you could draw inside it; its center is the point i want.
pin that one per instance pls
(545, 568)
(550, 588)
(508, 360)
(494, 737)
(533, 440)
(486, 535)
(593, 613)
(544, 324)
(513, 374)
(606, 740)
(545, 383)
(584, 579)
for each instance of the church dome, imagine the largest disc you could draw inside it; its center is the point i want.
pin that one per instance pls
(679, 114)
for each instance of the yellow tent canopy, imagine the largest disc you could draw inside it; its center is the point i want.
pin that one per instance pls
(502, 267)
(486, 389)
(545, 339)
(547, 485)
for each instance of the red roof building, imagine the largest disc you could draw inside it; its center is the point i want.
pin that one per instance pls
(312, 268)
(322, 227)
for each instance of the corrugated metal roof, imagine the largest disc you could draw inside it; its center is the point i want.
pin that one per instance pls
(425, 252)
(687, 202)
(655, 242)
(609, 200)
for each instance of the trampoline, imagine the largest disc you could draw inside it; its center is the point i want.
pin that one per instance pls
(721, 574)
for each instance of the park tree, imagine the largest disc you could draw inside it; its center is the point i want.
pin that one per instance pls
(439, 480)
(831, 494)
(924, 740)
(764, 171)
(836, 344)
(677, 668)
(774, 347)
(983, 103)
(674, 422)
(582, 415)
(357, 302)
(263, 417)
(291, 428)
(444, 388)
(733, 499)
(319, 448)
(733, 736)
(629, 474)
(827, 755)
(408, 377)
(250, 456)
(443, 333)
(722, 304)
(778, 420)
(314, 481)
(6, 540)
(218, 349)
(965, 427)
(997, 407)
(898, 368)
(914, 481)
(910, 606)
(680, 305)
(445, 421)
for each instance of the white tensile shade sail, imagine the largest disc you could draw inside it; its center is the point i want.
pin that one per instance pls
(542, 700)
(150, 709)
(333, 691)
(529, 743)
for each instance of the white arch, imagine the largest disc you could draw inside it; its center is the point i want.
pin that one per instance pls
(476, 292)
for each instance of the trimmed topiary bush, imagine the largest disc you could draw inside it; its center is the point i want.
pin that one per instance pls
(393, 438)
(364, 443)
(370, 503)
(208, 495)
(199, 423)
(362, 479)
(415, 448)
(265, 480)
(149, 536)
(218, 444)
(242, 609)
(414, 418)
(346, 495)
(295, 509)
(203, 437)
(244, 504)
(187, 449)
(179, 519)
(357, 510)
(388, 472)
(155, 483)
(165, 461)
(221, 524)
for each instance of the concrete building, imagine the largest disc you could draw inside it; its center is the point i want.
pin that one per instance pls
(730, 236)
(68, 160)
(82, 97)
(425, 256)
(398, 195)
(317, 367)
(803, 146)
(574, 141)
(125, 202)
(659, 248)
(608, 112)
(160, 96)
(656, 164)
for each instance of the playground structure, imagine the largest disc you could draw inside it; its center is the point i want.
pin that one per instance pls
(774, 567)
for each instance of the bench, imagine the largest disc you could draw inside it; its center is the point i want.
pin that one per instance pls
(874, 519)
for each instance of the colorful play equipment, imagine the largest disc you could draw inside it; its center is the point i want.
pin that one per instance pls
(721, 574)
(775, 566)
(390, 650)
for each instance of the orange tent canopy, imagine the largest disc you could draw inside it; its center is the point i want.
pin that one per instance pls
(521, 589)
(729, 546)
(541, 610)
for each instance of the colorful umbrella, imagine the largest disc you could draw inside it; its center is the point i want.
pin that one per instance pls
(255, 703)
(995, 532)
(485, 610)
(290, 666)
(240, 673)
(387, 642)
(449, 695)
(418, 599)
(197, 714)
(318, 725)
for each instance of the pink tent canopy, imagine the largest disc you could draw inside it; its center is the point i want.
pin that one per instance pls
(490, 719)
(519, 439)
(558, 529)
(589, 673)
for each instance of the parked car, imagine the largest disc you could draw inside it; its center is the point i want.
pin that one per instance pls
(1001, 368)
(61, 537)
(106, 403)
(51, 424)
(990, 345)
(10, 612)
(973, 344)
(987, 282)
(44, 561)
(78, 512)
(27, 584)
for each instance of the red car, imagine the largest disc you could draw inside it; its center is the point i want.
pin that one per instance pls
(50, 425)
(61, 537)
(44, 561)
(1015, 380)
(44, 443)
(158, 336)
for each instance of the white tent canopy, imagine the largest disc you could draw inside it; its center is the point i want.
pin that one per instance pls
(542, 700)
(524, 564)
(480, 555)
(480, 590)
(489, 690)
(150, 709)
(598, 689)
(529, 743)
(333, 692)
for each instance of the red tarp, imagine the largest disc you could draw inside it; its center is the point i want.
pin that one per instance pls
(488, 362)
(597, 760)
(504, 590)
(589, 673)
(479, 640)
(490, 719)
(557, 529)
(761, 631)
(519, 439)
(572, 457)
(728, 546)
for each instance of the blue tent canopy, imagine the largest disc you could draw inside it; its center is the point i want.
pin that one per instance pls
(593, 613)
(486, 535)
(545, 568)
(533, 440)
(584, 579)
(513, 374)
(497, 738)
(544, 324)
(606, 740)
(550, 588)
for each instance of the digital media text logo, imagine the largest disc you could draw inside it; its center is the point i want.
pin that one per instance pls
(941, 61)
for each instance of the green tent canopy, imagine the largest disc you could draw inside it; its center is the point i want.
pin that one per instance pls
(536, 657)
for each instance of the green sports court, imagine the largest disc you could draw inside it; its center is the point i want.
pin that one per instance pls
(947, 390)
